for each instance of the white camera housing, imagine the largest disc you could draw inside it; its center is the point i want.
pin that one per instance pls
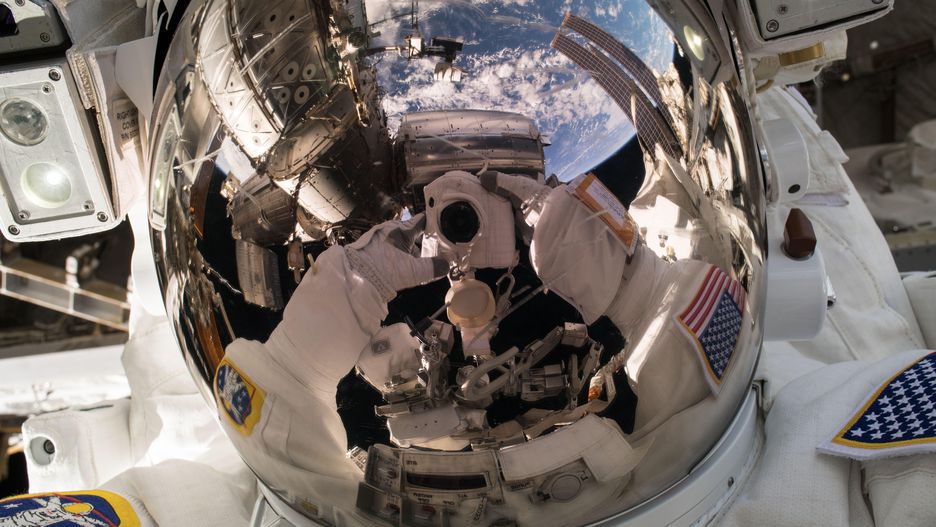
(780, 26)
(494, 244)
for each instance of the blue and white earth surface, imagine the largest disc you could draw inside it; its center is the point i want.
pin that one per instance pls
(510, 67)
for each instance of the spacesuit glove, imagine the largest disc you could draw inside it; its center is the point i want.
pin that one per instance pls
(387, 257)
(573, 251)
(525, 193)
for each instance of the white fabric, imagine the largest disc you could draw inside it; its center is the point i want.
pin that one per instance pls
(902, 492)
(795, 485)
(921, 288)
(873, 306)
(92, 445)
(873, 320)
(185, 493)
(161, 449)
(46, 382)
(780, 363)
(120, 127)
(386, 257)
(567, 230)
(299, 442)
(641, 297)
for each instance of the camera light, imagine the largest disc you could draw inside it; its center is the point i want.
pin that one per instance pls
(694, 42)
(53, 179)
(46, 185)
(23, 122)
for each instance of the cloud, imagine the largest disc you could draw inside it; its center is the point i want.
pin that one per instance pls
(510, 67)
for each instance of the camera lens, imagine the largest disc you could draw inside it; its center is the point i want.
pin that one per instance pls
(459, 222)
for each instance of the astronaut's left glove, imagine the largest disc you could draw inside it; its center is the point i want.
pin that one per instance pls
(387, 257)
(573, 251)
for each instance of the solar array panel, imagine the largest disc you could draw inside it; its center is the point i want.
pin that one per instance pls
(635, 67)
(619, 52)
(650, 126)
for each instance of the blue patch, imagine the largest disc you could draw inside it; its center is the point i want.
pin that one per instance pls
(84, 509)
(898, 419)
(238, 396)
(234, 394)
(720, 336)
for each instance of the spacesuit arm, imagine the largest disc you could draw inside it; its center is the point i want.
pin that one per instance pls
(277, 400)
(579, 257)
(564, 231)
(341, 301)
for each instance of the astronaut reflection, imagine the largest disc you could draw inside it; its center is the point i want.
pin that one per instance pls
(583, 247)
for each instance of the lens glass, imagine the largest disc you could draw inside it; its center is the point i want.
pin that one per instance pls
(695, 42)
(23, 122)
(459, 222)
(46, 185)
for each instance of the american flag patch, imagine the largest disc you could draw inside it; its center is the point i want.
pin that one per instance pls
(898, 419)
(712, 323)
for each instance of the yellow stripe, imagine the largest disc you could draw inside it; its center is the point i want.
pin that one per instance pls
(877, 446)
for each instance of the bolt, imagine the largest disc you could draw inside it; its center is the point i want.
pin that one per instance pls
(55, 74)
(21, 3)
(22, 215)
(13, 229)
(773, 25)
(45, 37)
(782, 9)
(48, 447)
(86, 206)
(102, 217)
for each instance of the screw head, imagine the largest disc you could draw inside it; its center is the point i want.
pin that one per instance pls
(45, 37)
(55, 74)
(86, 206)
(13, 229)
(877, 1)
(22, 215)
(21, 3)
(102, 216)
(46, 88)
(773, 25)
(782, 9)
(48, 447)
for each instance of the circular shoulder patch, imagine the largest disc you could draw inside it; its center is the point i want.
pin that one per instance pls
(89, 508)
(238, 397)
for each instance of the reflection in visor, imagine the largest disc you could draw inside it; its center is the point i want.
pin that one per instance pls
(491, 263)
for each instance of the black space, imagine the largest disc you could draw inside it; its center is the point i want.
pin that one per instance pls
(16, 482)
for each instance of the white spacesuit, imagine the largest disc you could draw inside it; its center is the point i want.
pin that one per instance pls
(796, 458)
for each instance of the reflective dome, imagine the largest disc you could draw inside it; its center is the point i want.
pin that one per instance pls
(587, 174)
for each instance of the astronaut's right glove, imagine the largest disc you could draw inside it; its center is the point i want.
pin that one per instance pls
(388, 258)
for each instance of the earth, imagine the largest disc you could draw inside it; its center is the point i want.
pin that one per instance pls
(510, 66)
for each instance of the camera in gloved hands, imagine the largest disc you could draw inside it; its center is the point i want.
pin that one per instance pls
(469, 226)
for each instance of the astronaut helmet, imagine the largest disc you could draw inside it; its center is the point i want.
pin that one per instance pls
(588, 172)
